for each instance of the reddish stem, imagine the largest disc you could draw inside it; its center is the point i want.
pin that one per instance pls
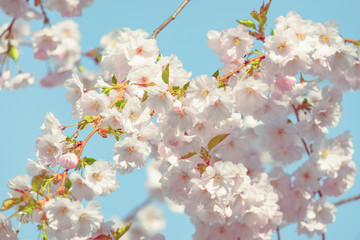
(261, 57)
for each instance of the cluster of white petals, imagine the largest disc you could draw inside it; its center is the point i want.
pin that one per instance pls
(221, 145)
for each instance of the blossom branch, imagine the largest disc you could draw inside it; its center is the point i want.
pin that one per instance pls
(348, 40)
(224, 78)
(357, 197)
(100, 118)
(278, 233)
(167, 21)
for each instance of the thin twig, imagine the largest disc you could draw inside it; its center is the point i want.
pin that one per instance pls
(241, 66)
(8, 29)
(323, 236)
(278, 233)
(172, 17)
(347, 200)
(136, 210)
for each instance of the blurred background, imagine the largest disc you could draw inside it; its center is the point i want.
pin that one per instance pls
(22, 111)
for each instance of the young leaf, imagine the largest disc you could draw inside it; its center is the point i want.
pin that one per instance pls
(272, 32)
(120, 231)
(14, 53)
(68, 183)
(9, 203)
(216, 74)
(247, 23)
(114, 79)
(36, 183)
(190, 154)
(88, 161)
(88, 118)
(165, 75)
(216, 140)
(186, 86)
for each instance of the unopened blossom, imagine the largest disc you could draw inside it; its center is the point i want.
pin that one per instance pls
(68, 160)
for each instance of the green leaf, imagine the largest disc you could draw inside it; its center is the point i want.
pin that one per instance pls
(190, 154)
(186, 86)
(247, 23)
(175, 88)
(120, 104)
(14, 53)
(145, 96)
(216, 74)
(88, 118)
(68, 183)
(114, 79)
(36, 183)
(29, 207)
(216, 140)
(88, 161)
(9, 203)
(120, 231)
(158, 58)
(272, 32)
(165, 75)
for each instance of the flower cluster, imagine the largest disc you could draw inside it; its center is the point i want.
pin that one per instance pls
(223, 144)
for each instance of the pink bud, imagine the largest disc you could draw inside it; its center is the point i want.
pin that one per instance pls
(68, 160)
(177, 105)
(228, 211)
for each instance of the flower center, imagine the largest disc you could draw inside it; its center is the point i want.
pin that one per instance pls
(236, 41)
(324, 38)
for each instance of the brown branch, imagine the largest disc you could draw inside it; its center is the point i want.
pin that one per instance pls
(8, 29)
(347, 200)
(136, 210)
(323, 236)
(241, 66)
(172, 17)
(278, 233)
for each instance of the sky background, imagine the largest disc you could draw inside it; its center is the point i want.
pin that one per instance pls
(22, 111)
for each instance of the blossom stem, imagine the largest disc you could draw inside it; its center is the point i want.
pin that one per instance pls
(278, 233)
(296, 110)
(167, 21)
(12, 215)
(348, 40)
(323, 236)
(357, 197)
(224, 78)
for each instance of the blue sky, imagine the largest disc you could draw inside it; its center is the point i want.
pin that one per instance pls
(23, 111)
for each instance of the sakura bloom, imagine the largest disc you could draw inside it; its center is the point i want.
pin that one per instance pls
(220, 145)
